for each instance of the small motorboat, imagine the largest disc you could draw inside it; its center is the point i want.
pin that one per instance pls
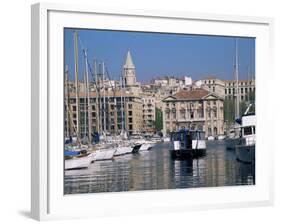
(221, 137)
(211, 138)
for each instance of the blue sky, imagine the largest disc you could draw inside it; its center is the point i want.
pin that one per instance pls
(157, 54)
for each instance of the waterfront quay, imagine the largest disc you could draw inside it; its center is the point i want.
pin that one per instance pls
(155, 169)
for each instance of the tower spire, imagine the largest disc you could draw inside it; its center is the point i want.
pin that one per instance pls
(129, 62)
(129, 71)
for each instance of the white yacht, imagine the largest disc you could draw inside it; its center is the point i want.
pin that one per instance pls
(103, 154)
(123, 149)
(245, 150)
(77, 162)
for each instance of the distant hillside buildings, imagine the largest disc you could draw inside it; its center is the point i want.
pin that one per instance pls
(132, 105)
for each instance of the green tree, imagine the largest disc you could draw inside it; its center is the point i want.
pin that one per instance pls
(229, 110)
(158, 119)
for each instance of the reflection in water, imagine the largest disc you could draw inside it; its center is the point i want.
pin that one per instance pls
(155, 169)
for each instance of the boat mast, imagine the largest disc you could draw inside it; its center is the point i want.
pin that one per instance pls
(76, 83)
(237, 112)
(122, 112)
(124, 97)
(248, 92)
(107, 96)
(97, 96)
(100, 98)
(104, 112)
(88, 99)
(85, 104)
(68, 123)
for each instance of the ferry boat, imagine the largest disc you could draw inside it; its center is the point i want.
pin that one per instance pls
(188, 144)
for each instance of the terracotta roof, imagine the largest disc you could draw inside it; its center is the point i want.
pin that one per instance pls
(194, 94)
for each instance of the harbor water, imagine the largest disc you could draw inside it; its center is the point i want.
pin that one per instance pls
(154, 169)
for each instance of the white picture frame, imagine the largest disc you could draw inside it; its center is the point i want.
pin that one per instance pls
(48, 201)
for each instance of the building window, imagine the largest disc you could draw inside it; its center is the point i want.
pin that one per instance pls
(174, 115)
(191, 114)
(130, 120)
(167, 112)
(130, 113)
(201, 113)
(214, 88)
(130, 106)
(229, 91)
(182, 114)
(215, 113)
(215, 131)
(242, 90)
(209, 131)
(74, 108)
(130, 126)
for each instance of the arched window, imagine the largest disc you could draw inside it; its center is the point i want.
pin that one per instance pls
(215, 131)
(209, 131)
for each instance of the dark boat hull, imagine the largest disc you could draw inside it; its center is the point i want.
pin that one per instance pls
(245, 154)
(136, 148)
(186, 154)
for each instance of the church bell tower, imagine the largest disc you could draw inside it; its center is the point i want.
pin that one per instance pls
(129, 71)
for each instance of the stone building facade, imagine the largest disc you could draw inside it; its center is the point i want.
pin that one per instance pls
(193, 109)
(245, 88)
(106, 112)
(212, 84)
(148, 103)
